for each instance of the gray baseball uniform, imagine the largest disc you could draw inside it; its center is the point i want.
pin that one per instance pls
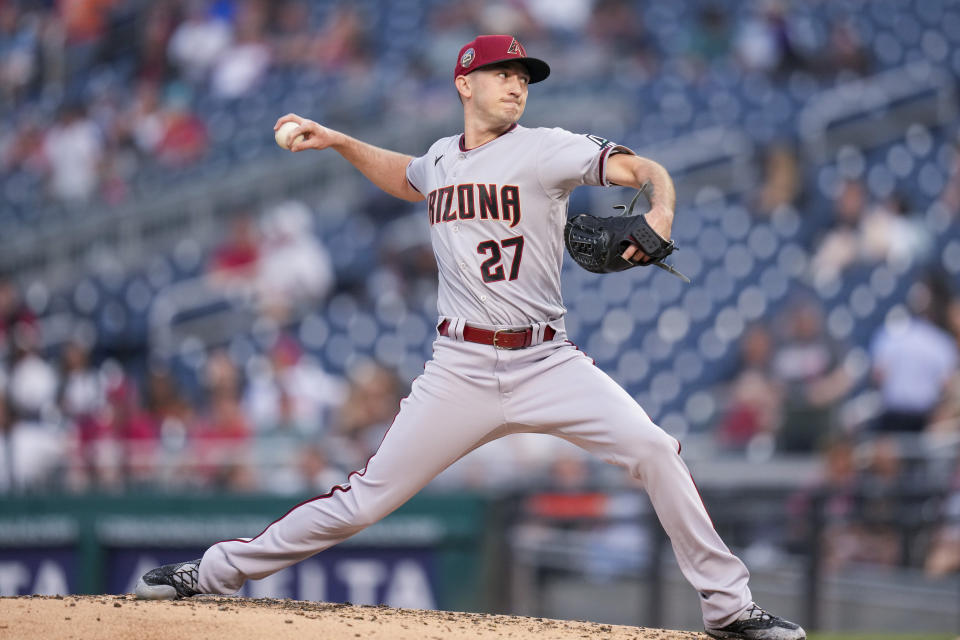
(496, 215)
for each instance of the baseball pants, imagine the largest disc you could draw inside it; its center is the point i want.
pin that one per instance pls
(470, 394)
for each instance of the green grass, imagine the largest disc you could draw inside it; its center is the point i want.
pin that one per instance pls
(881, 636)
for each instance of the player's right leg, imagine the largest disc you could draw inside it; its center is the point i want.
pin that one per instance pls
(453, 407)
(566, 395)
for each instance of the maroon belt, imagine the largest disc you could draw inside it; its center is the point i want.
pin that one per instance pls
(500, 338)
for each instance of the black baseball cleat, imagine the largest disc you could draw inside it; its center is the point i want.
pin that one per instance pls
(757, 624)
(169, 582)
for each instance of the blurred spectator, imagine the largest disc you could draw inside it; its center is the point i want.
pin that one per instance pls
(165, 404)
(84, 25)
(288, 399)
(834, 492)
(132, 64)
(81, 392)
(711, 37)
(14, 314)
(373, 399)
(19, 150)
(859, 502)
(19, 33)
(845, 51)
(222, 433)
(142, 122)
(765, 42)
(33, 382)
(296, 43)
(241, 67)
(234, 263)
(132, 431)
(342, 40)
(295, 269)
(807, 364)
(307, 472)
(184, 135)
(892, 234)
(873, 537)
(157, 25)
(569, 471)
(116, 444)
(85, 20)
(565, 18)
(781, 179)
(198, 42)
(52, 64)
(81, 395)
(616, 28)
(74, 150)
(33, 446)
(293, 392)
(841, 245)
(913, 360)
(754, 395)
(31, 450)
(407, 266)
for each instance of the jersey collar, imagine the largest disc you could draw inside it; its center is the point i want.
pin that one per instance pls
(463, 147)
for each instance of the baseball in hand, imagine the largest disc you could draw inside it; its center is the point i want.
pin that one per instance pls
(282, 135)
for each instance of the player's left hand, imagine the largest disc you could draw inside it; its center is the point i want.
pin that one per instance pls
(661, 220)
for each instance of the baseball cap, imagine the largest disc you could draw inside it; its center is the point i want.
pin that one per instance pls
(485, 50)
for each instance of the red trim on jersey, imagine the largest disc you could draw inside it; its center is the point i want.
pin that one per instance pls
(463, 147)
(603, 160)
(408, 179)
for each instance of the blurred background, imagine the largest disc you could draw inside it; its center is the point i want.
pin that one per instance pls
(199, 330)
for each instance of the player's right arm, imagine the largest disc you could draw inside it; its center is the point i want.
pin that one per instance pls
(384, 168)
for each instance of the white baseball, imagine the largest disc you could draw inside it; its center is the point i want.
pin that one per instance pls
(282, 135)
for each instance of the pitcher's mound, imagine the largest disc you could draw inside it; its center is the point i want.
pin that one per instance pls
(233, 618)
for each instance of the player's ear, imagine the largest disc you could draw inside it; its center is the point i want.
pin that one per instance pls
(463, 87)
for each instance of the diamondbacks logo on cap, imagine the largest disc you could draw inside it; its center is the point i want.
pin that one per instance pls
(467, 57)
(516, 48)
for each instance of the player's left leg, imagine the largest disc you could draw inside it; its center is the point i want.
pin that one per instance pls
(567, 395)
(452, 408)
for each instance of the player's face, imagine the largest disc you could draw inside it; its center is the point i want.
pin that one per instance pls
(501, 91)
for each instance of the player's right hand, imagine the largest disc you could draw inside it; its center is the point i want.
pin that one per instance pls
(315, 136)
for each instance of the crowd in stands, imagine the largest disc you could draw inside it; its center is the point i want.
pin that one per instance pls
(100, 92)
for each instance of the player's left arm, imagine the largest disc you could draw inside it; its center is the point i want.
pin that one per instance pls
(634, 171)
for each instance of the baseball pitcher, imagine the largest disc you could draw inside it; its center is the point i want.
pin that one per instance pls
(496, 204)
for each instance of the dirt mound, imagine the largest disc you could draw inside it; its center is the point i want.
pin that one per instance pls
(234, 618)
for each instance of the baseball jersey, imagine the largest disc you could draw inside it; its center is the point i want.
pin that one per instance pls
(496, 217)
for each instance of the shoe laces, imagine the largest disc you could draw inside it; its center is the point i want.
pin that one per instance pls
(756, 613)
(185, 577)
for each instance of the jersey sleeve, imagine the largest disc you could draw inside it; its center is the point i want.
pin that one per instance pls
(567, 160)
(416, 174)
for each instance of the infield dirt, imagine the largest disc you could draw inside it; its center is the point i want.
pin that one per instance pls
(230, 618)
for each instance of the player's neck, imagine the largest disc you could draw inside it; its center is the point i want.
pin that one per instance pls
(477, 133)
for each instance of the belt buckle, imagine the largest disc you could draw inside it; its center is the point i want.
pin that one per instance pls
(497, 332)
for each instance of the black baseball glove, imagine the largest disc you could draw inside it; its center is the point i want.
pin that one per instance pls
(597, 244)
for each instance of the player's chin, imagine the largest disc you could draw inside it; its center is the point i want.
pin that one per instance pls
(512, 112)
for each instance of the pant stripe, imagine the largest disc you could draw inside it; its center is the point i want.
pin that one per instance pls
(330, 493)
